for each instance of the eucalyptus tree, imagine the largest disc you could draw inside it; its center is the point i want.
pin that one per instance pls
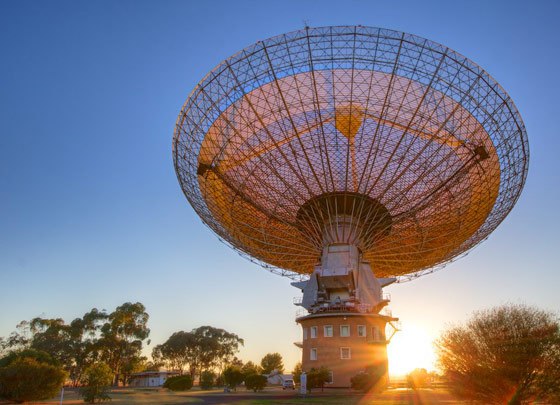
(202, 349)
(509, 354)
(122, 335)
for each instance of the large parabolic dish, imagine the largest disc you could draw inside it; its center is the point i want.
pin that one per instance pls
(415, 146)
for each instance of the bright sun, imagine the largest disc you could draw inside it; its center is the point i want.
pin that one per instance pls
(409, 349)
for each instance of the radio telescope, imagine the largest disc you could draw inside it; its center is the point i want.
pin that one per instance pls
(348, 158)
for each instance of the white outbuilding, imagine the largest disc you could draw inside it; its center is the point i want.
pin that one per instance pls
(151, 378)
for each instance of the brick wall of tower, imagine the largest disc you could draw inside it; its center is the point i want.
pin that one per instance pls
(365, 351)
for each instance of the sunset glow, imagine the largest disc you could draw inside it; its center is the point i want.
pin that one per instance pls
(341, 183)
(409, 349)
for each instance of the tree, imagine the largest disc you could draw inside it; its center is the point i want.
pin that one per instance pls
(255, 382)
(509, 354)
(296, 373)
(115, 338)
(234, 361)
(52, 336)
(131, 365)
(96, 381)
(18, 340)
(70, 344)
(251, 368)
(271, 362)
(317, 378)
(202, 349)
(122, 336)
(73, 345)
(3, 346)
(232, 376)
(29, 376)
(85, 348)
(207, 380)
(178, 351)
(152, 366)
(216, 347)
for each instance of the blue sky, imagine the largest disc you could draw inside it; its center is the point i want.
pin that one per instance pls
(92, 215)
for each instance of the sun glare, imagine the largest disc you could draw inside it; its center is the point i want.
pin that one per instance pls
(409, 349)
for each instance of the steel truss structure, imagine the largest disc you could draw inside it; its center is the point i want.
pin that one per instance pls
(412, 143)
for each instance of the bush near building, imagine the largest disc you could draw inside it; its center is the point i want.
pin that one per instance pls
(317, 378)
(255, 382)
(179, 383)
(369, 380)
(361, 382)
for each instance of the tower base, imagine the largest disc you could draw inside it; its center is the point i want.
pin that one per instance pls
(346, 343)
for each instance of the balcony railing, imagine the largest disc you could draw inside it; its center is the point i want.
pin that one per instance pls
(344, 305)
(301, 312)
(387, 312)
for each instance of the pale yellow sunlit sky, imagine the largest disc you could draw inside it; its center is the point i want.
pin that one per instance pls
(410, 348)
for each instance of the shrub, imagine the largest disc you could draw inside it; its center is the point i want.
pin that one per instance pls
(97, 380)
(207, 380)
(255, 382)
(26, 379)
(38, 355)
(233, 376)
(361, 381)
(316, 378)
(179, 383)
(372, 379)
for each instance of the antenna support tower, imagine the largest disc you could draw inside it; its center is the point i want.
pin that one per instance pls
(349, 158)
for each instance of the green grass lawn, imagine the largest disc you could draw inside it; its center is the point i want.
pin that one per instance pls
(242, 397)
(130, 396)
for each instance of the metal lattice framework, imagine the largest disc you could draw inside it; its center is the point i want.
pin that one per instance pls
(413, 142)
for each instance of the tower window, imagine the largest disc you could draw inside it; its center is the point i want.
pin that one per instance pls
(362, 330)
(304, 333)
(345, 353)
(313, 354)
(328, 331)
(344, 330)
(313, 331)
(375, 333)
